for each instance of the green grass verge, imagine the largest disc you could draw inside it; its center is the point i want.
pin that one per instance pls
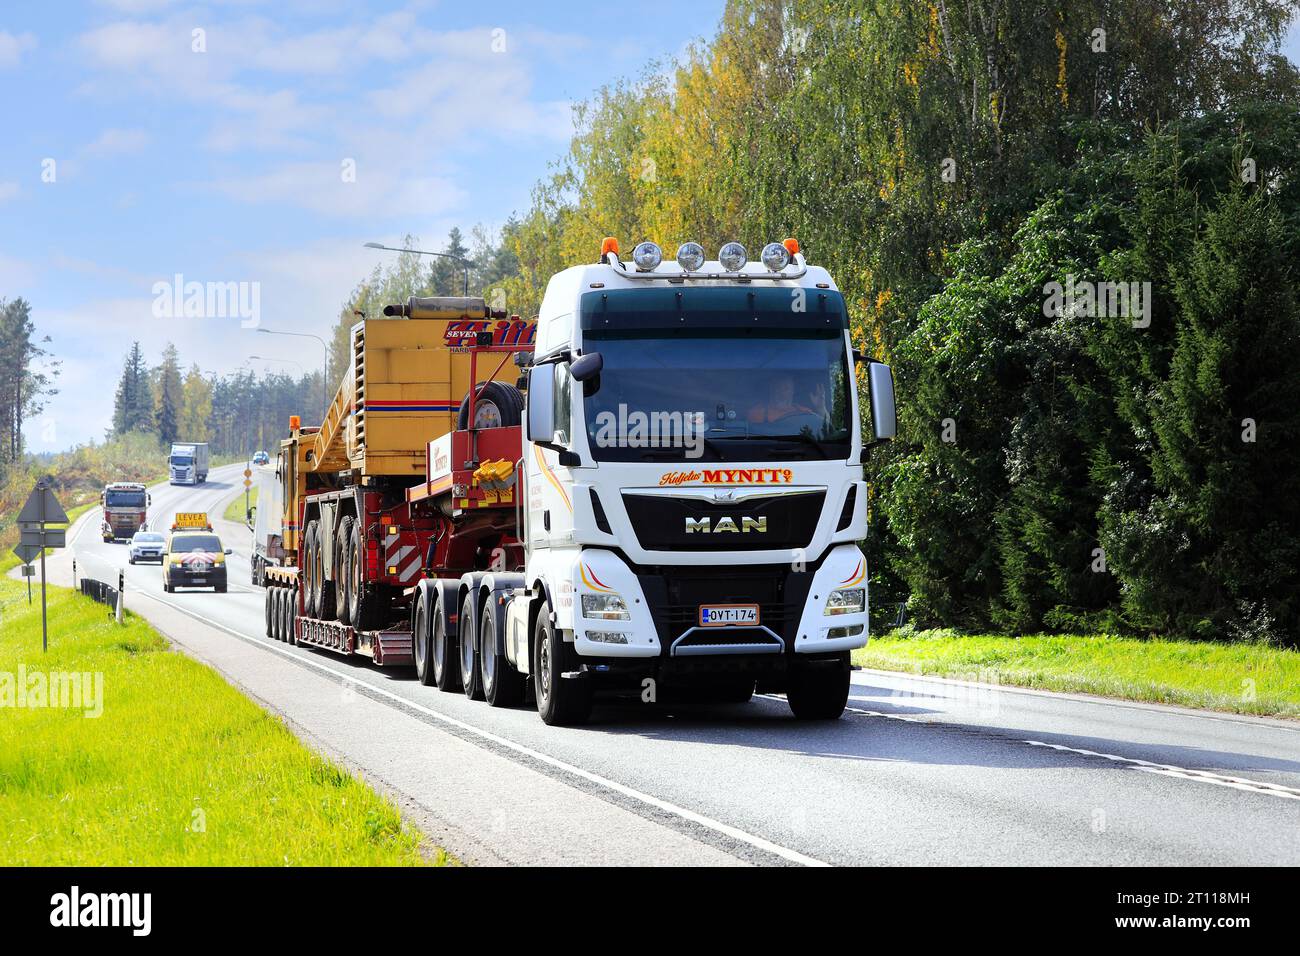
(1241, 678)
(180, 768)
(235, 510)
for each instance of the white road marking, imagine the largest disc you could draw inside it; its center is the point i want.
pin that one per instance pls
(664, 806)
(1168, 770)
(1134, 763)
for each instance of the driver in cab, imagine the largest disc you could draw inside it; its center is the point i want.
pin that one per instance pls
(780, 403)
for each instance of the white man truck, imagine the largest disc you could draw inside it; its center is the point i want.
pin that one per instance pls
(188, 463)
(679, 510)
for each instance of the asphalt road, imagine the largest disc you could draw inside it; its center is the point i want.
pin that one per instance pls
(920, 771)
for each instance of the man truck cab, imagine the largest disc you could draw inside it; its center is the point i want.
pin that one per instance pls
(693, 488)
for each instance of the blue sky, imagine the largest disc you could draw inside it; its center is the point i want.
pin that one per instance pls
(221, 156)
(226, 164)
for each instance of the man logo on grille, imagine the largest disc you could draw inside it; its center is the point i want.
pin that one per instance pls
(705, 525)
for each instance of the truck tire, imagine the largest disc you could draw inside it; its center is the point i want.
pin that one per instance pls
(274, 609)
(310, 582)
(819, 691)
(498, 402)
(422, 638)
(503, 686)
(471, 679)
(561, 701)
(344, 561)
(289, 613)
(325, 597)
(443, 651)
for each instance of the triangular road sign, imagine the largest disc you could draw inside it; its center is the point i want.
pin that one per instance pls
(31, 513)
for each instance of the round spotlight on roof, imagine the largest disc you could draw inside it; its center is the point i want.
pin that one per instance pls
(775, 256)
(733, 257)
(690, 256)
(647, 257)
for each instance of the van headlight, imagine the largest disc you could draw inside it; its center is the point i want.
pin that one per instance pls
(846, 601)
(605, 607)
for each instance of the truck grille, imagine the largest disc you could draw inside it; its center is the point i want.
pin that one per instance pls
(660, 522)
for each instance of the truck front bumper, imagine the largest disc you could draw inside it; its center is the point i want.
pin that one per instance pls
(663, 618)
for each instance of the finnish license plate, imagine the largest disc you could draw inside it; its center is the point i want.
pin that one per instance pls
(728, 615)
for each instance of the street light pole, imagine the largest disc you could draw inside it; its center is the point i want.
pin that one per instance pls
(325, 369)
(465, 263)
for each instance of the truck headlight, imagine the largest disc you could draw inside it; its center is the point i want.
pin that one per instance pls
(605, 607)
(846, 601)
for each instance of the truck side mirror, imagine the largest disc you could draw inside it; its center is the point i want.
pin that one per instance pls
(884, 419)
(587, 366)
(541, 403)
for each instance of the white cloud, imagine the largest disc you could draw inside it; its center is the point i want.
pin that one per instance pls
(117, 142)
(380, 189)
(9, 190)
(13, 46)
(15, 275)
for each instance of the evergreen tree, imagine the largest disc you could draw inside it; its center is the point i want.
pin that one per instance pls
(168, 396)
(133, 404)
(26, 377)
(447, 276)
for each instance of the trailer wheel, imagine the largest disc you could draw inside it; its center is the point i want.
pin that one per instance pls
(422, 639)
(289, 613)
(561, 701)
(311, 582)
(495, 406)
(274, 601)
(819, 690)
(503, 686)
(446, 662)
(344, 561)
(470, 677)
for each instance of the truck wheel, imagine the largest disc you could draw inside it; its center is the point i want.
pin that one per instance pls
(443, 650)
(561, 701)
(503, 686)
(289, 611)
(495, 406)
(470, 677)
(274, 597)
(310, 581)
(422, 639)
(820, 691)
(325, 594)
(343, 564)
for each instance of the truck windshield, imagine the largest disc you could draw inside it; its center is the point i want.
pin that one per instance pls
(718, 395)
(182, 459)
(124, 499)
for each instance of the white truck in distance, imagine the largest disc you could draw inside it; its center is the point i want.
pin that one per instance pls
(188, 463)
(692, 494)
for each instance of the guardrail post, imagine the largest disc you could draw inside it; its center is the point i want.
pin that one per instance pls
(121, 594)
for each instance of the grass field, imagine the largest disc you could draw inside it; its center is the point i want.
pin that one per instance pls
(180, 768)
(235, 510)
(1242, 678)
